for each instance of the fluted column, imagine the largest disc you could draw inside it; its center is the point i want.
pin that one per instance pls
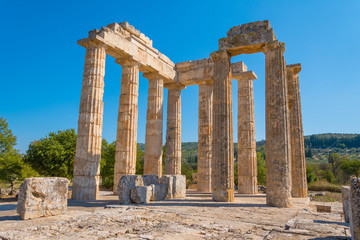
(222, 179)
(154, 126)
(298, 162)
(88, 144)
(247, 163)
(125, 155)
(173, 131)
(205, 137)
(278, 149)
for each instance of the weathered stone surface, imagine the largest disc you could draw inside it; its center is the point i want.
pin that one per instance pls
(141, 194)
(355, 208)
(125, 185)
(175, 186)
(42, 197)
(247, 38)
(345, 190)
(158, 192)
(150, 179)
(205, 138)
(222, 180)
(88, 144)
(173, 131)
(124, 41)
(278, 148)
(125, 155)
(154, 126)
(179, 186)
(298, 162)
(247, 163)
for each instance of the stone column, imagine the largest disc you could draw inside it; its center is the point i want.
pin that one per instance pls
(247, 163)
(125, 155)
(205, 137)
(222, 179)
(355, 208)
(88, 145)
(298, 162)
(278, 154)
(154, 126)
(173, 131)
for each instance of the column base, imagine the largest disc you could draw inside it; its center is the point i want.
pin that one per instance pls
(223, 195)
(85, 188)
(276, 200)
(247, 185)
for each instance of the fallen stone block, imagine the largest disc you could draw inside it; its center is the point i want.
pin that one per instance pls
(158, 192)
(345, 190)
(175, 186)
(42, 197)
(141, 194)
(323, 208)
(179, 186)
(150, 179)
(125, 185)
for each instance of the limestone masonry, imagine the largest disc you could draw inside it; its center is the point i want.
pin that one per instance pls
(285, 157)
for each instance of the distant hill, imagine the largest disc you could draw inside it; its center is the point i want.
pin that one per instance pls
(317, 147)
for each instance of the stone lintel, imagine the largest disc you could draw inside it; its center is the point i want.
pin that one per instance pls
(200, 72)
(247, 38)
(296, 68)
(248, 75)
(124, 41)
(152, 76)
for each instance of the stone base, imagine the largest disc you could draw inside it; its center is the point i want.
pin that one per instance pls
(345, 190)
(85, 188)
(42, 197)
(223, 195)
(175, 186)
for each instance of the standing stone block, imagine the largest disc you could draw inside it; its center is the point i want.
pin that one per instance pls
(42, 197)
(175, 186)
(125, 185)
(158, 192)
(150, 179)
(167, 180)
(179, 186)
(355, 208)
(141, 194)
(345, 190)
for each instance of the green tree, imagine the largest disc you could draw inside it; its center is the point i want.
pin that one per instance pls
(350, 167)
(11, 165)
(328, 175)
(107, 163)
(261, 167)
(53, 155)
(311, 174)
(139, 161)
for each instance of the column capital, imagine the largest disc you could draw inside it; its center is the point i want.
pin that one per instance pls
(171, 86)
(244, 76)
(127, 62)
(295, 68)
(153, 76)
(219, 55)
(274, 45)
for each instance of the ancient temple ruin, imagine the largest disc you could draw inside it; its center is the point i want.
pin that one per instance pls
(285, 158)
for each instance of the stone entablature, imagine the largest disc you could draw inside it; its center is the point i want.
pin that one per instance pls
(123, 41)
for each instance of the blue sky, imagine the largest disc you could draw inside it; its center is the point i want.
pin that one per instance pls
(41, 65)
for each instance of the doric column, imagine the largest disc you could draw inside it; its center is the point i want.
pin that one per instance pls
(222, 179)
(173, 131)
(125, 155)
(247, 163)
(278, 154)
(298, 162)
(205, 137)
(154, 126)
(88, 145)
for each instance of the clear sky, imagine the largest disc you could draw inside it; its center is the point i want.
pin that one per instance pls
(41, 65)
